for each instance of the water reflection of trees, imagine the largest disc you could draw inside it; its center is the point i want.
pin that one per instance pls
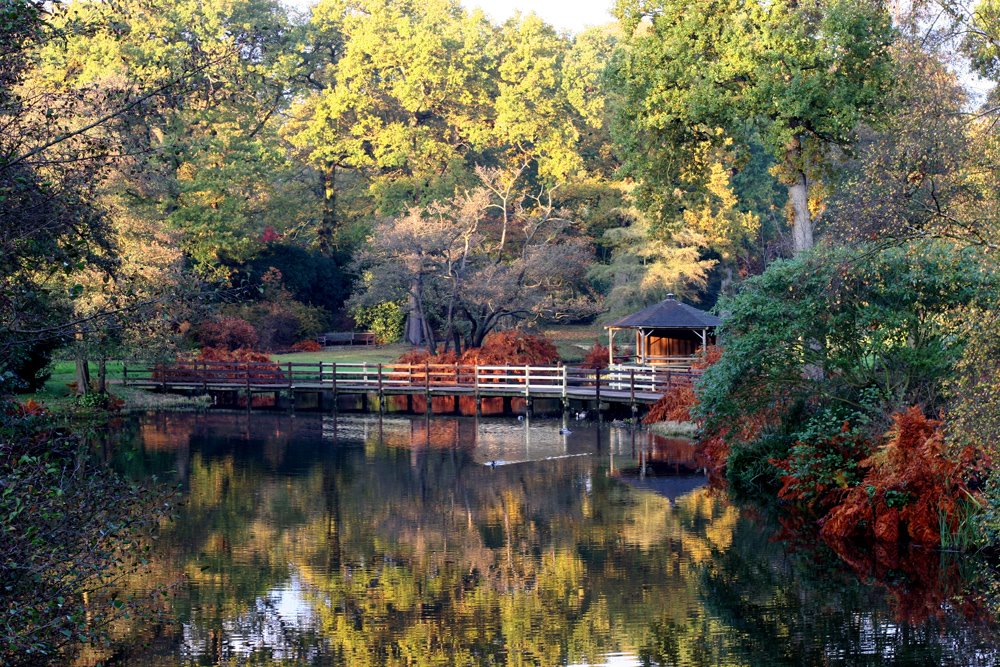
(794, 603)
(378, 550)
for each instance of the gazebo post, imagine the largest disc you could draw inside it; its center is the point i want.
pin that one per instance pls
(611, 345)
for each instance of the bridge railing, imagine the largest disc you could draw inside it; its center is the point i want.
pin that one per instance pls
(401, 377)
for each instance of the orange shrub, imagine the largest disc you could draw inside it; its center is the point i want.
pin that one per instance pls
(677, 403)
(227, 332)
(308, 345)
(711, 355)
(30, 408)
(675, 406)
(597, 358)
(502, 348)
(513, 348)
(229, 364)
(911, 487)
(424, 357)
(240, 355)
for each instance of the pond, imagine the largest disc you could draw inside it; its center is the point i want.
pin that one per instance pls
(314, 540)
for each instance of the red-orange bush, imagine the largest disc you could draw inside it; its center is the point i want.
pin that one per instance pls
(710, 356)
(597, 358)
(425, 357)
(30, 408)
(231, 333)
(228, 364)
(241, 355)
(818, 474)
(513, 348)
(675, 406)
(308, 345)
(912, 485)
(677, 403)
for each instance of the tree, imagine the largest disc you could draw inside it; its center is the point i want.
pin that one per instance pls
(203, 154)
(644, 269)
(797, 76)
(394, 90)
(883, 326)
(492, 256)
(49, 166)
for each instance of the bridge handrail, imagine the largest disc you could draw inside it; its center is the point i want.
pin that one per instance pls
(484, 378)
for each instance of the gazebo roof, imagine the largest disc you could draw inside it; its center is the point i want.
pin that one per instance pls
(668, 314)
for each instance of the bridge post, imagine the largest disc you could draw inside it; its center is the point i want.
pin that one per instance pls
(631, 398)
(597, 375)
(124, 374)
(475, 390)
(427, 388)
(381, 392)
(249, 395)
(334, 376)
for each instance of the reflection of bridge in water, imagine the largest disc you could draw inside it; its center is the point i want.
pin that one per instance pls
(638, 457)
(413, 387)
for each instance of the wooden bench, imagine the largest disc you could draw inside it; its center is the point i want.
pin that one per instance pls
(346, 338)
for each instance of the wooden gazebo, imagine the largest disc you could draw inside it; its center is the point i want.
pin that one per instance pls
(669, 332)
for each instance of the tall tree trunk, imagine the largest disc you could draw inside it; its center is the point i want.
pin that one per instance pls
(798, 195)
(82, 376)
(414, 322)
(421, 315)
(329, 228)
(102, 375)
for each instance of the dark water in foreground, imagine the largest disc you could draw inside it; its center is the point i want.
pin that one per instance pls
(307, 541)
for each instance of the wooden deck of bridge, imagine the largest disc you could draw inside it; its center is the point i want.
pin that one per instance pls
(627, 385)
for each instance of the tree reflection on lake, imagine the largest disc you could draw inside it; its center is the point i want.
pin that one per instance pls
(359, 541)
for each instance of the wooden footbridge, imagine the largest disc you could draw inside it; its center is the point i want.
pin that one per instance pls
(628, 385)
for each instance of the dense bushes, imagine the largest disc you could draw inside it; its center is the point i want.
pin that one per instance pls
(820, 352)
(597, 358)
(274, 322)
(310, 277)
(229, 333)
(25, 368)
(913, 487)
(500, 348)
(385, 320)
(71, 529)
(680, 400)
(513, 347)
(308, 345)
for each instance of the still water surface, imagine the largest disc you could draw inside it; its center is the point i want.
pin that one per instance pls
(309, 540)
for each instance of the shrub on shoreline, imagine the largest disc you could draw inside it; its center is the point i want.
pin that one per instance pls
(72, 530)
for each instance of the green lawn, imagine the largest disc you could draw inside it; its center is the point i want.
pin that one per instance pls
(57, 389)
(349, 354)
